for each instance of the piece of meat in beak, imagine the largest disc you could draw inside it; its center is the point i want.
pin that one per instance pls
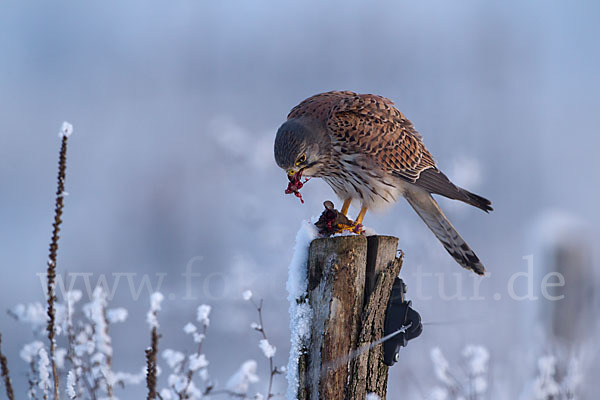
(295, 184)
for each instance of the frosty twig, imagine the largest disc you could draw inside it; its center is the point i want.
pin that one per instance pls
(151, 352)
(64, 134)
(267, 348)
(151, 366)
(5, 373)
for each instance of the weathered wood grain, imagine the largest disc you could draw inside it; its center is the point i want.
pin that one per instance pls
(349, 284)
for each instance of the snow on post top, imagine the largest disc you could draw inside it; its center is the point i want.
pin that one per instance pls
(65, 130)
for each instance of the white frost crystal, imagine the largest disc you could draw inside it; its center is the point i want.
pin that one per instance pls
(478, 358)
(33, 314)
(240, 381)
(172, 357)
(545, 386)
(115, 315)
(155, 299)
(198, 337)
(71, 388)
(255, 326)
(65, 130)
(203, 313)
(30, 351)
(198, 361)
(189, 328)
(267, 348)
(441, 366)
(44, 371)
(247, 295)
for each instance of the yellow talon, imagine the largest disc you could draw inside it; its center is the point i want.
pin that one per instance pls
(354, 228)
(344, 227)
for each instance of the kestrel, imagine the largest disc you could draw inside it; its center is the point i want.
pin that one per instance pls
(367, 150)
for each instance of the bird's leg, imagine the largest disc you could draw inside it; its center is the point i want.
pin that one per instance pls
(346, 206)
(361, 215)
(345, 227)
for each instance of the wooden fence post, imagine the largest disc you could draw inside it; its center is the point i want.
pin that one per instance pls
(349, 283)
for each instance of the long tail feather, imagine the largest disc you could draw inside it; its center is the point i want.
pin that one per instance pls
(434, 181)
(434, 218)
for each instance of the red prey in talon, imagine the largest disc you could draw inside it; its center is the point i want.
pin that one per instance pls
(296, 184)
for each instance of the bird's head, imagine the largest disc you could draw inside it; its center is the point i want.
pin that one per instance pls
(300, 147)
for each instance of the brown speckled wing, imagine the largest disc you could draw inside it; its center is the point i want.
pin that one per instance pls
(371, 125)
(319, 106)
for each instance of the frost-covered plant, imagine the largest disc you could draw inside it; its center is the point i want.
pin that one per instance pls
(239, 382)
(85, 358)
(5, 372)
(87, 346)
(477, 358)
(467, 381)
(64, 134)
(34, 314)
(152, 370)
(267, 348)
(86, 355)
(184, 367)
(548, 386)
(545, 386)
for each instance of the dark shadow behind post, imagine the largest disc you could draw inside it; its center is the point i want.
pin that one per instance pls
(350, 279)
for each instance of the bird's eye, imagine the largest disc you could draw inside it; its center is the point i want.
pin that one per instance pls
(301, 160)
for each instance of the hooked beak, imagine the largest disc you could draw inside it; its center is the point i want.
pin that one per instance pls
(292, 171)
(295, 171)
(294, 174)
